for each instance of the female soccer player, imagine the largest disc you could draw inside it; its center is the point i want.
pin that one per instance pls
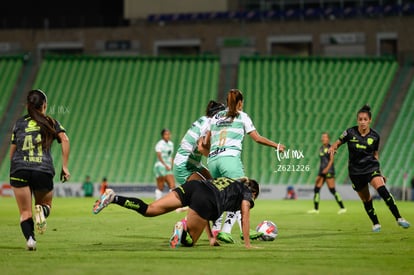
(163, 167)
(226, 131)
(364, 167)
(206, 199)
(31, 169)
(326, 174)
(187, 161)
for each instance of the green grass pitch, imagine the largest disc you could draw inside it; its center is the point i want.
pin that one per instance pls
(119, 241)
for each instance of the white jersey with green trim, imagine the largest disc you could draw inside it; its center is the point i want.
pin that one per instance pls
(227, 134)
(166, 148)
(187, 151)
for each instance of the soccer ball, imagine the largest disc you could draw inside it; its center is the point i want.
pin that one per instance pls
(269, 230)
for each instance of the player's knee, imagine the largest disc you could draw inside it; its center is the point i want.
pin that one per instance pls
(332, 190)
(316, 189)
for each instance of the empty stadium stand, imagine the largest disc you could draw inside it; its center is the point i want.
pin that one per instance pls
(294, 100)
(115, 108)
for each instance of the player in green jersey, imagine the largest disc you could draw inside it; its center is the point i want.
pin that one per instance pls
(224, 138)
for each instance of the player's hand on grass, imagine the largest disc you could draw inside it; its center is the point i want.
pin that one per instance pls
(64, 174)
(214, 242)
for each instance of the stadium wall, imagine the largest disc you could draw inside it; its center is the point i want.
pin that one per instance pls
(210, 33)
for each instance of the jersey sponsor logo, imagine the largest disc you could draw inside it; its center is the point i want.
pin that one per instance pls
(222, 183)
(370, 141)
(360, 146)
(32, 126)
(354, 139)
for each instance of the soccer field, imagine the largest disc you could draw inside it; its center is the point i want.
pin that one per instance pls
(119, 241)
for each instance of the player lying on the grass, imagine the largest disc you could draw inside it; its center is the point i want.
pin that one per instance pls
(31, 169)
(364, 167)
(326, 174)
(206, 200)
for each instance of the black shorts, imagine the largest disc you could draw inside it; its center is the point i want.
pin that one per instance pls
(199, 198)
(326, 176)
(359, 182)
(37, 181)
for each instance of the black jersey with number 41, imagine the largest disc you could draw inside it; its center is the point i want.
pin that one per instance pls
(30, 154)
(361, 151)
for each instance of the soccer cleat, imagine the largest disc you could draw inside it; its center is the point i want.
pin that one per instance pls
(376, 228)
(175, 240)
(313, 211)
(40, 220)
(105, 199)
(225, 237)
(253, 235)
(403, 223)
(341, 211)
(31, 244)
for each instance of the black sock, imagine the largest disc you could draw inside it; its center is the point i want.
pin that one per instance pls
(46, 210)
(337, 197)
(316, 198)
(371, 211)
(132, 203)
(27, 227)
(389, 200)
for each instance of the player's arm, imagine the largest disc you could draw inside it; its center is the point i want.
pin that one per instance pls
(201, 148)
(13, 149)
(205, 142)
(65, 154)
(245, 212)
(159, 157)
(335, 146)
(330, 163)
(264, 141)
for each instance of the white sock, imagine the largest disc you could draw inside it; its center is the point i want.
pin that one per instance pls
(158, 194)
(217, 224)
(229, 222)
(239, 220)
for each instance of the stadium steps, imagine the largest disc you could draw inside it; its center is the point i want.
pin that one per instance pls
(397, 157)
(115, 107)
(294, 100)
(16, 76)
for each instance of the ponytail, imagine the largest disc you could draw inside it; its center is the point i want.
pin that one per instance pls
(35, 101)
(251, 184)
(233, 98)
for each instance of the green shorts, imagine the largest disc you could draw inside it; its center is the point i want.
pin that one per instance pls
(161, 171)
(185, 170)
(226, 166)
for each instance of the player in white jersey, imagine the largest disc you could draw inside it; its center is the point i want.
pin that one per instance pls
(187, 161)
(164, 165)
(225, 135)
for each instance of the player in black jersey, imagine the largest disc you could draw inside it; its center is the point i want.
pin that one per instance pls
(364, 167)
(31, 169)
(326, 174)
(206, 199)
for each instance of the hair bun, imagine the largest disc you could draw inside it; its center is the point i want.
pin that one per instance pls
(366, 107)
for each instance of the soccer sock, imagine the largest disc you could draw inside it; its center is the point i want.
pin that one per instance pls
(389, 200)
(217, 224)
(158, 194)
(239, 220)
(229, 222)
(186, 239)
(46, 210)
(132, 203)
(369, 208)
(27, 227)
(337, 197)
(316, 198)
